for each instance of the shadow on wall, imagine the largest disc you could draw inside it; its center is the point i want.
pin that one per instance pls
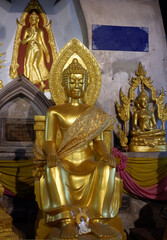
(146, 226)
(25, 208)
(24, 216)
(163, 9)
(82, 22)
(2, 32)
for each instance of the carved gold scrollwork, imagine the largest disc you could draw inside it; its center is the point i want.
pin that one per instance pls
(39, 155)
(162, 111)
(141, 79)
(1, 66)
(1, 54)
(6, 226)
(123, 109)
(123, 138)
(75, 49)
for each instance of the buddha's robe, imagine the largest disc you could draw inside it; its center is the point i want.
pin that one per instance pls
(35, 46)
(80, 180)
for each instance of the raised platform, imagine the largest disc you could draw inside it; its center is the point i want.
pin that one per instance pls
(145, 154)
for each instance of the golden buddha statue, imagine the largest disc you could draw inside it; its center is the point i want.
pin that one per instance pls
(79, 173)
(143, 119)
(145, 137)
(34, 64)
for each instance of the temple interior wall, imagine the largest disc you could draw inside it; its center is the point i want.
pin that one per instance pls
(75, 18)
(118, 67)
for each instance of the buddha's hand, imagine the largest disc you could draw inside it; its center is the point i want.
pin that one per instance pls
(110, 159)
(52, 160)
(32, 36)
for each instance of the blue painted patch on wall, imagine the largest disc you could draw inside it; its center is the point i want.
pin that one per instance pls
(120, 38)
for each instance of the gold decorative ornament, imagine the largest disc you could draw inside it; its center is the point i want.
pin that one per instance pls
(79, 170)
(123, 138)
(1, 54)
(145, 137)
(1, 66)
(33, 54)
(6, 226)
(1, 84)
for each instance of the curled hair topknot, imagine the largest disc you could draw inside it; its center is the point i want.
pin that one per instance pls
(74, 68)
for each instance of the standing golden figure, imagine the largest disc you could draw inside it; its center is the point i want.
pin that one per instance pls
(34, 65)
(34, 47)
(80, 172)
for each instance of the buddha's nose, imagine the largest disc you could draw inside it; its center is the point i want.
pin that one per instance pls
(76, 84)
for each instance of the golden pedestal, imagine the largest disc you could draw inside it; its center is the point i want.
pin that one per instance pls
(6, 229)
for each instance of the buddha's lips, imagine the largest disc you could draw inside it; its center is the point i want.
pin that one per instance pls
(76, 91)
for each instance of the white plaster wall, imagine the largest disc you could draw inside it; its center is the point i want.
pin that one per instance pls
(65, 26)
(118, 66)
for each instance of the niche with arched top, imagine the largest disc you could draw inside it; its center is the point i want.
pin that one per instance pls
(20, 101)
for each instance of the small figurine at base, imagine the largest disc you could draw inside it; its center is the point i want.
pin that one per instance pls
(82, 221)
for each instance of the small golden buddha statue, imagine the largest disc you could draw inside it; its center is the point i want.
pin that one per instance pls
(34, 64)
(146, 136)
(143, 119)
(80, 172)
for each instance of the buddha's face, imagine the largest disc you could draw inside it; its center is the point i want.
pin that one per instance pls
(34, 19)
(143, 101)
(76, 86)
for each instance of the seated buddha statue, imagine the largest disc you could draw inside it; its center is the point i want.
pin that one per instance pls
(80, 172)
(146, 136)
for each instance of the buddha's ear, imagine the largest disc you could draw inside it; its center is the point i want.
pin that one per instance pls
(86, 86)
(85, 81)
(65, 85)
